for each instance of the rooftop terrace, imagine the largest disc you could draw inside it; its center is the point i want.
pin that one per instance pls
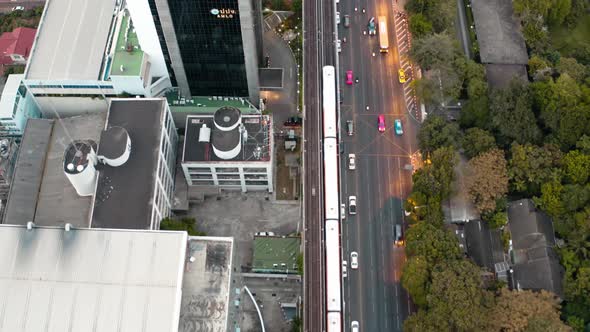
(207, 105)
(128, 54)
(276, 254)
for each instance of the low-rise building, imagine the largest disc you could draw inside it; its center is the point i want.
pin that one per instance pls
(16, 107)
(228, 150)
(15, 47)
(105, 170)
(535, 264)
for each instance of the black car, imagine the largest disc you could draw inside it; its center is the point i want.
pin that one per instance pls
(294, 121)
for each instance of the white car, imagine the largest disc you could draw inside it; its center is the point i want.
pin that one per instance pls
(344, 270)
(339, 46)
(337, 17)
(354, 260)
(354, 326)
(343, 211)
(265, 234)
(351, 162)
(352, 205)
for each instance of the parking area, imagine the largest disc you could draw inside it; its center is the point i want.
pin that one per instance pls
(241, 216)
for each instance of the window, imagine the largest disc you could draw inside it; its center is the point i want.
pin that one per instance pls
(226, 170)
(202, 182)
(228, 176)
(256, 183)
(199, 169)
(254, 170)
(229, 183)
(201, 176)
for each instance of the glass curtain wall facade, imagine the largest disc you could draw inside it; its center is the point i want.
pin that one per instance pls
(209, 38)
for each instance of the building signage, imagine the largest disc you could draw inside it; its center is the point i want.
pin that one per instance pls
(223, 13)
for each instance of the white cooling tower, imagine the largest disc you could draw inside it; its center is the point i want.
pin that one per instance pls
(79, 160)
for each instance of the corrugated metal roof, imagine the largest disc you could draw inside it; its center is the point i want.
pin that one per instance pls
(90, 279)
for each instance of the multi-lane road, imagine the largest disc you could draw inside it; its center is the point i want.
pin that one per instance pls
(382, 180)
(372, 295)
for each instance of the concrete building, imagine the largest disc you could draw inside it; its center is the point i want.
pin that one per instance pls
(535, 262)
(105, 170)
(15, 47)
(16, 106)
(70, 279)
(228, 150)
(213, 48)
(87, 51)
(206, 285)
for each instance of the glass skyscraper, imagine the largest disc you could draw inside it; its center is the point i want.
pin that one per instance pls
(212, 47)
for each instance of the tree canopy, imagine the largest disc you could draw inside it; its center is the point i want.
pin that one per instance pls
(436, 133)
(487, 180)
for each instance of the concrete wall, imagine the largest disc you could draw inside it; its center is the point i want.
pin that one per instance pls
(145, 28)
(248, 21)
(51, 107)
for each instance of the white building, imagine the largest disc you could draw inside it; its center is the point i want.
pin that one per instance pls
(92, 50)
(102, 280)
(105, 170)
(16, 106)
(228, 150)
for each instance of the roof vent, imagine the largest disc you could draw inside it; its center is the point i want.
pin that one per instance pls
(68, 227)
(30, 225)
(205, 134)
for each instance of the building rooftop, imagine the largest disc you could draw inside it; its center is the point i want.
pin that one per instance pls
(276, 254)
(123, 198)
(498, 32)
(40, 191)
(207, 105)
(256, 146)
(124, 194)
(90, 280)
(71, 40)
(128, 56)
(499, 76)
(484, 245)
(18, 41)
(206, 284)
(535, 262)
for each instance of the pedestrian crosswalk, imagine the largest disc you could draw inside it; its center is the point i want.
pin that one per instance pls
(404, 41)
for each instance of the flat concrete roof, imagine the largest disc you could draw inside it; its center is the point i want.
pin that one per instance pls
(125, 193)
(257, 132)
(271, 250)
(90, 280)
(8, 96)
(499, 76)
(40, 191)
(205, 286)
(498, 32)
(71, 40)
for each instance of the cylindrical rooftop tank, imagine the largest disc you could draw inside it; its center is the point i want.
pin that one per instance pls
(79, 160)
(115, 146)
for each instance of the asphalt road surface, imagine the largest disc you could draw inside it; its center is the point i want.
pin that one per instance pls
(373, 294)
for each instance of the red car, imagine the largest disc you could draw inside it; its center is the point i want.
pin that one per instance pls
(381, 123)
(349, 77)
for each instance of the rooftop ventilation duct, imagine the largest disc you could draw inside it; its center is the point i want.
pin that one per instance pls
(205, 134)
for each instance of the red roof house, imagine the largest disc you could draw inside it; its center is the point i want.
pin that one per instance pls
(15, 46)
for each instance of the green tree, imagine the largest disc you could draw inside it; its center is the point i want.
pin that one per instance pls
(425, 321)
(498, 219)
(416, 279)
(572, 68)
(436, 133)
(558, 11)
(434, 180)
(486, 180)
(530, 166)
(184, 224)
(476, 113)
(432, 243)
(300, 263)
(433, 51)
(420, 26)
(512, 115)
(427, 90)
(476, 141)
(537, 65)
(526, 311)
(456, 294)
(576, 167)
(550, 199)
(583, 144)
